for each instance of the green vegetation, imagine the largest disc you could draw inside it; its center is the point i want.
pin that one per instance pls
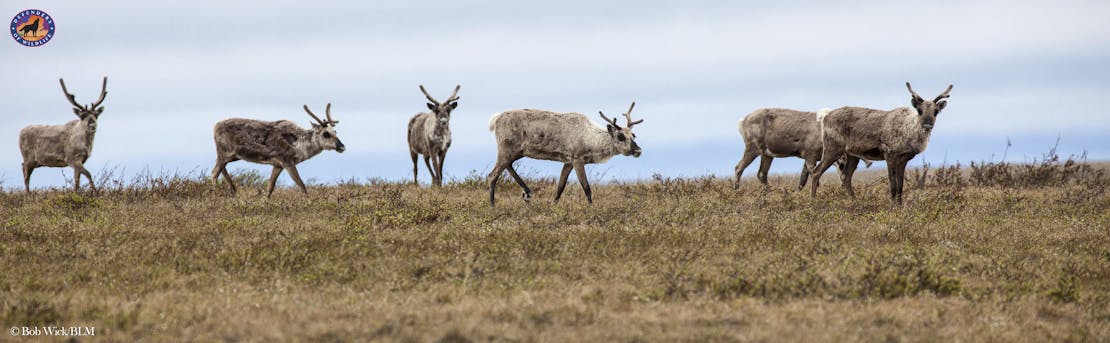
(171, 258)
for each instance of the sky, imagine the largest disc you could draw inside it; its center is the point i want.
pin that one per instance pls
(1023, 71)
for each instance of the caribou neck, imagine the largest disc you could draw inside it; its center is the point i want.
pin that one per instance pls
(911, 122)
(80, 133)
(306, 146)
(600, 146)
(442, 130)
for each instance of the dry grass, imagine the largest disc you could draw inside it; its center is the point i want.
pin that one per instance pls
(170, 258)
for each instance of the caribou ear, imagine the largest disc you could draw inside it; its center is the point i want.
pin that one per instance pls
(610, 128)
(78, 113)
(941, 104)
(454, 105)
(431, 106)
(316, 126)
(916, 101)
(99, 110)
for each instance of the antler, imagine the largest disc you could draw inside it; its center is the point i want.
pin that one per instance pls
(915, 96)
(322, 123)
(103, 93)
(607, 120)
(453, 96)
(429, 96)
(628, 116)
(73, 99)
(943, 95)
(327, 111)
(69, 96)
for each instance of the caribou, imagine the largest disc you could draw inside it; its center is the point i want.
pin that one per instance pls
(281, 144)
(570, 138)
(64, 145)
(430, 135)
(778, 132)
(895, 136)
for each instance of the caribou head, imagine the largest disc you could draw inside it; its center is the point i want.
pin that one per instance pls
(323, 131)
(87, 113)
(623, 139)
(928, 110)
(442, 111)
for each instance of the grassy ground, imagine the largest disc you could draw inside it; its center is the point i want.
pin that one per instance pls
(170, 259)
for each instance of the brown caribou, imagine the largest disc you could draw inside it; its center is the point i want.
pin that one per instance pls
(281, 144)
(896, 136)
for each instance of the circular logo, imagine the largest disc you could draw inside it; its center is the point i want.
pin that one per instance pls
(32, 28)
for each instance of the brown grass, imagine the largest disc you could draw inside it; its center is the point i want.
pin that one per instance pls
(171, 258)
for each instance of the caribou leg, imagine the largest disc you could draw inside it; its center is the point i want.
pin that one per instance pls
(292, 168)
(415, 175)
(428, 163)
(437, 165)
(439, 168)
(749, 156)
(78, 170)
(27, 170)
(580, 171)
(764, 167)
(829, 156)
(563, 180)
(896, 173)
(804, 176)
(273, 180)
(527, 191)
(494, 175)
(230, 181)
(846, 171)
(221, 168)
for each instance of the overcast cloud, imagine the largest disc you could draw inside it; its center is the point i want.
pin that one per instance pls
(1028, 71)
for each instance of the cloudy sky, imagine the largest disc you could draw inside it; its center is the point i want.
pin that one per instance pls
(1023, 70)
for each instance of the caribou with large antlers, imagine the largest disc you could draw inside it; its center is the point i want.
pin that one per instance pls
(895, 136)
(570, 138)
(63, 145)
(281, 144)
(430, 135)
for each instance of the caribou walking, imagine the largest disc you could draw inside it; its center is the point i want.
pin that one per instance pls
(64, 145)
(281, 144)
(570, 138)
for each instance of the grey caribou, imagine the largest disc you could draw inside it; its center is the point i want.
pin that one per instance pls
(430, 135)
(570, 138)
(67, 145)
(778, 132)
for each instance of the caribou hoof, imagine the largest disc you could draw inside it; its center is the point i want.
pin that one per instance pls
(527, 196)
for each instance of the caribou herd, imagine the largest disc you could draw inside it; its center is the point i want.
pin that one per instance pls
(842, 136)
